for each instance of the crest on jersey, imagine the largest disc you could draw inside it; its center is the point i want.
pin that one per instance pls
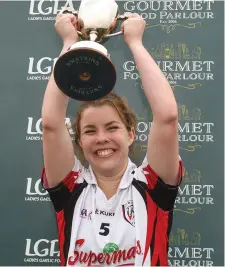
(128, 212)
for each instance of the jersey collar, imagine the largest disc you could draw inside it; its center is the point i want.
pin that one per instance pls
(127, 176)
(125, 181)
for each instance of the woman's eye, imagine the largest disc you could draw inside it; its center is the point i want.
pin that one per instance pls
(89, 131)
(113, 128)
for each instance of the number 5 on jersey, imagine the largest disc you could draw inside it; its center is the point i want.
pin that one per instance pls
(104, 229)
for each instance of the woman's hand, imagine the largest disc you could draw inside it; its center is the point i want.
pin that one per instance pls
(133, 29)
(66, 27)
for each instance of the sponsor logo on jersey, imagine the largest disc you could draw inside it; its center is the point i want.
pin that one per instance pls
(85, 214)
(111, 254)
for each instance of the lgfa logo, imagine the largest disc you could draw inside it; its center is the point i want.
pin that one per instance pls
(40, 69)
(43, 250)
(34, 132)
(35, 191)
(47, 9)
(34, 128)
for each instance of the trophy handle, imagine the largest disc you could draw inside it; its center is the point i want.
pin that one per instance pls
(65, 10)
(113, 34)
(119, 17)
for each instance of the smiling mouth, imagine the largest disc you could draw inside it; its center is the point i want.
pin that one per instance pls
(104, 153)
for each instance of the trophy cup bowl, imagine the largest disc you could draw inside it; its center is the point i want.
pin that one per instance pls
(85, 72)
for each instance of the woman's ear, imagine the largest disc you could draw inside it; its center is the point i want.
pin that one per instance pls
(131, 134)
(80, 144)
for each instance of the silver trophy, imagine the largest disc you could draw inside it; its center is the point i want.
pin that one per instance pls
(85, 72)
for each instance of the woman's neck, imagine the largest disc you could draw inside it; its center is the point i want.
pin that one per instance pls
(109, 185)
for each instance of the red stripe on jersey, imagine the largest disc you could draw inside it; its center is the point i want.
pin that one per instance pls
(161, 239)
(151, 177)
(151, 216)
(70, 180)
(61, 235)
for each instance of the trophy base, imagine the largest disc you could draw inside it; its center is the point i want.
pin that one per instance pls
(84, 73)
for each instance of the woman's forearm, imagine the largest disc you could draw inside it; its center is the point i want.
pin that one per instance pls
(55, 102)
(157, 89)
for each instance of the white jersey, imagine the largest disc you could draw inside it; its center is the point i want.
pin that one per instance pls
(131, 228)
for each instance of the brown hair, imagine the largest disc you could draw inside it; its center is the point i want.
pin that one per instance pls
(119, 103)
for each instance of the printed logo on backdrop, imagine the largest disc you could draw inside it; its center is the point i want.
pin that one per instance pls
(166, 15)
(34, 129)
(48, 9)
(35, 191)
(193, 131)
(170, 15)
(182, 64)
(193, 194)
(40, 69)
(41, 251)
(185, 249)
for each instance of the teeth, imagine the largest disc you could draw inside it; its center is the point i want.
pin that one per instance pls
(105, 152)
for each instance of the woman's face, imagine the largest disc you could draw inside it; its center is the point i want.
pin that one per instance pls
(104, 139)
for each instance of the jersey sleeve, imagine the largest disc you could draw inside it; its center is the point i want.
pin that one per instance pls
(61, 193)
(162, 194)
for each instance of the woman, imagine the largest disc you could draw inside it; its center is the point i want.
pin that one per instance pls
(112, 213)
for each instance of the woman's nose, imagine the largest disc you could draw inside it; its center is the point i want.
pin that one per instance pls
(102, 138)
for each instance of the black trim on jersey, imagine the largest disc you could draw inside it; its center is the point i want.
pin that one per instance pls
(160, 194)
(141, 188)
(158, 263)
(153, 236)
(63, 199)
(163, 195)
(59, 196)
(68, 216)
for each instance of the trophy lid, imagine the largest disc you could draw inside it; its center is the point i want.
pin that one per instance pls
(97, 13)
